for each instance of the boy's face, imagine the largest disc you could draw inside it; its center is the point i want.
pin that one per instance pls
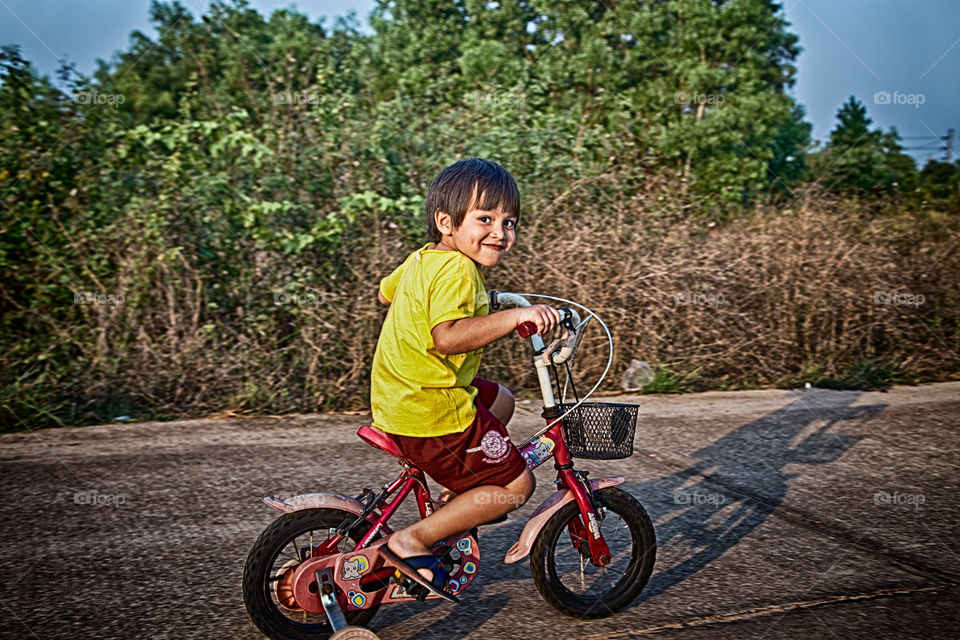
(483, 236)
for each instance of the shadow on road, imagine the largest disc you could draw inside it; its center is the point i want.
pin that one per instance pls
(702, 511)
(739, 480)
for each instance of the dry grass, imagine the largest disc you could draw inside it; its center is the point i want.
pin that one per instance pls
(785, 295)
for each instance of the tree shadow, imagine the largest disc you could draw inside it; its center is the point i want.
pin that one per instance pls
(737, 481)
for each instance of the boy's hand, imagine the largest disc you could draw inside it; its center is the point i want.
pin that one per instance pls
(544, 316)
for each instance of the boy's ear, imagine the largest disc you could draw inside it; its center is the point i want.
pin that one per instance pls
(444, 222)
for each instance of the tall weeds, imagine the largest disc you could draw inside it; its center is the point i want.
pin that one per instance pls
(800, 291)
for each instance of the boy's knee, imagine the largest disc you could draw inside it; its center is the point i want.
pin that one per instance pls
(522, 487)
(503, 405)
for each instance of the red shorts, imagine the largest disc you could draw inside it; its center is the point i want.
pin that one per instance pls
(482, 454)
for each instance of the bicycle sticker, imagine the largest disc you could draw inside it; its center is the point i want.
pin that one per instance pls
(469, 567)
(353, 567)
(594, 525)
(358, 599)
(464, 545)
(539, 453)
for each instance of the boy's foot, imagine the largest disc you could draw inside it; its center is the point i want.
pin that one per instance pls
(409, 568)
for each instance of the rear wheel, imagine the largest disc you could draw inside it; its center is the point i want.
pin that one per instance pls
(354, 633)
(288, 541)
(564, 573)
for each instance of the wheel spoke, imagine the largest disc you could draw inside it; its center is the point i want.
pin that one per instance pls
(583, 582)
(574, 583)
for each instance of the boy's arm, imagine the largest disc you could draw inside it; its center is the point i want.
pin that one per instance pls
(469, 334)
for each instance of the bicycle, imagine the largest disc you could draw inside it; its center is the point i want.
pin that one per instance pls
(333, 587)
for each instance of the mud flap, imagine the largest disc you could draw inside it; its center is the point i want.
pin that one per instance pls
(521, 548)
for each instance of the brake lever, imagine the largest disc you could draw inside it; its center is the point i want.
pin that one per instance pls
(560, 350)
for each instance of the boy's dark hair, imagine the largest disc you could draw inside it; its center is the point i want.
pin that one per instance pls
(452, 191)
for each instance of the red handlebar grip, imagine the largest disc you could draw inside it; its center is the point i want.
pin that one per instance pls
(527, 329)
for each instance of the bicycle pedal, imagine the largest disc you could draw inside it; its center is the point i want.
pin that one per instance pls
(413, 589)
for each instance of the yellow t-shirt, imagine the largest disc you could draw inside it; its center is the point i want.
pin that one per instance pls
(415, 390)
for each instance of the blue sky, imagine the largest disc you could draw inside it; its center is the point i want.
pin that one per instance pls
(899, 57)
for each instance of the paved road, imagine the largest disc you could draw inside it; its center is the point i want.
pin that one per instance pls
(778, 515)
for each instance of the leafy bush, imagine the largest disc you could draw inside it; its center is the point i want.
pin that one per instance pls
(201, 227)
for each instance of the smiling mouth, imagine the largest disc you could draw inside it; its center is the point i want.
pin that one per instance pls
(496, 247)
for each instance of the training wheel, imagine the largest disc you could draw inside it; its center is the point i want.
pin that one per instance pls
(354, 633)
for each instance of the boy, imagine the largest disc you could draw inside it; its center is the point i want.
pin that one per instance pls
(424, 390)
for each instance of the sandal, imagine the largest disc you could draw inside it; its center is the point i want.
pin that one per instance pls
(407, 567)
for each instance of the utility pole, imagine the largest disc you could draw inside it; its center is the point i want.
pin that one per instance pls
(947, 145)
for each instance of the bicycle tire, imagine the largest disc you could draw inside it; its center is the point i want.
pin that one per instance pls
(629, 534)
(266, 614)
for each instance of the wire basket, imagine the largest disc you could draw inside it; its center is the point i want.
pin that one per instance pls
(601, 430)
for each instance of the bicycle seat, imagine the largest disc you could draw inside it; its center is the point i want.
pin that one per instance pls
(376, 438)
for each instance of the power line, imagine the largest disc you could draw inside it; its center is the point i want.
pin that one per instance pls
(946, 147)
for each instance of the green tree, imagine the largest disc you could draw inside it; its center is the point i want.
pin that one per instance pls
(940, 180)
(860, 159)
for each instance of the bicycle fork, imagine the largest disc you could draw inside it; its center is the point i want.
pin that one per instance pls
(585, 533)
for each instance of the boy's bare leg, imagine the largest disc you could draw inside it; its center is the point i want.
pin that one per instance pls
(503, 405)
(467, 510)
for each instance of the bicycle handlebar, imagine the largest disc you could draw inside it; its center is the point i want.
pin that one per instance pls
(559, 350)
(527, 329)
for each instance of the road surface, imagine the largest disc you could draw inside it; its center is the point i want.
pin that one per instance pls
(778, 514)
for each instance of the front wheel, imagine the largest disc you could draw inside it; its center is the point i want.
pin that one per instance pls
(560, 559)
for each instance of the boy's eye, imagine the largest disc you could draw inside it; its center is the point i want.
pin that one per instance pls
(510, 224)
(484, 218)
